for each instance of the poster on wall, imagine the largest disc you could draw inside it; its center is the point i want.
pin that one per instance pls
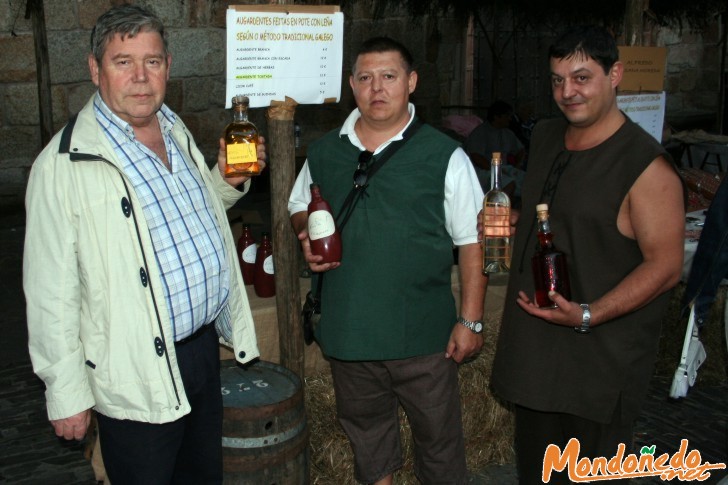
(645, 109)
(279, 51)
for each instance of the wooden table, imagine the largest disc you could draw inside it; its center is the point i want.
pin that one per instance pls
(708, 144)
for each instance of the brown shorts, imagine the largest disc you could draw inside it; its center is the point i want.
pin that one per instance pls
(368, 395)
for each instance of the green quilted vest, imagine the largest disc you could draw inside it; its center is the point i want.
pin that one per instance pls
(391, 298)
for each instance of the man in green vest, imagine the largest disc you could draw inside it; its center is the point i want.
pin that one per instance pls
(389, 324)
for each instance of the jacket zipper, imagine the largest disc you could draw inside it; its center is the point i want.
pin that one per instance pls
(76, 157)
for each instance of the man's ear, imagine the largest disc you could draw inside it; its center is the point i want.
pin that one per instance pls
(412, 81)
(615, 74)
(93, 67)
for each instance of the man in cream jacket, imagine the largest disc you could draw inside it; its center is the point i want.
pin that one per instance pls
(130, 267)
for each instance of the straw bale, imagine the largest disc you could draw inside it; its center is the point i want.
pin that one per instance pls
(487, 423)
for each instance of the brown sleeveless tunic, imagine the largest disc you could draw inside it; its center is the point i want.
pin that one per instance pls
(552, 368)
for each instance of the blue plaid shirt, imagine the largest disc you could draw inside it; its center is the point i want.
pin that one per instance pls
(188, 244)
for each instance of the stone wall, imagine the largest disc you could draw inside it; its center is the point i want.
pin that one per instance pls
(692, 80)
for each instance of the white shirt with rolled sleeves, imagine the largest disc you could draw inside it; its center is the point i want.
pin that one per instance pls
(463, 193)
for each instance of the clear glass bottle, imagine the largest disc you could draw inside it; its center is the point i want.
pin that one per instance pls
(247, 249)
(322, 232)
(550, 272)
(264, 284)
(496, 223)
(241, 140)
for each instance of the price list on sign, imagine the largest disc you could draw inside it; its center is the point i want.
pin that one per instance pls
(645, 109)
(279, 51)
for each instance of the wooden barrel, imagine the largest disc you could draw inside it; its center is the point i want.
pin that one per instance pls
(265, 433)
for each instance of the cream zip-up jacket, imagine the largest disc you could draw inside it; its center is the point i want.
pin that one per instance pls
(99, 330)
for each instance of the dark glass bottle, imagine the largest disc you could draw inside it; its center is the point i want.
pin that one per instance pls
(550, 272)
(247, 249)
(264, 282)
(322, 232)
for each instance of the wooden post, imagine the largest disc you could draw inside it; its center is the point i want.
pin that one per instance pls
(34, 11)
(282, 166)
(633, 22)
(721, 82)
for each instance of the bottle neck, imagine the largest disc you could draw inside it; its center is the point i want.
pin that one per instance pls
(240, 113)
(545, 236)
(496, 176)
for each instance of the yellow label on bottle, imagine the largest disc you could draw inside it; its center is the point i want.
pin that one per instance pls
(241, 153)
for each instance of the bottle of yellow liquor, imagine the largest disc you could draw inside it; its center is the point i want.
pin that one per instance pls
(241, 140)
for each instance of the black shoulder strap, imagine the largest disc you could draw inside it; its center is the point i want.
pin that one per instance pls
(393, 147)
(358, 192)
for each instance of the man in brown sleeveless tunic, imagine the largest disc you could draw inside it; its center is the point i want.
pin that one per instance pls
(616, 210)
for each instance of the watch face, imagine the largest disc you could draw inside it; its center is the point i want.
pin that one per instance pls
(478, 327)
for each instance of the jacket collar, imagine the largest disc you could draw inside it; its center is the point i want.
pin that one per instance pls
(83, 139)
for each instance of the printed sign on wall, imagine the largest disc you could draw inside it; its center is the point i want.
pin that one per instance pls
(279, 51)
(647, 110)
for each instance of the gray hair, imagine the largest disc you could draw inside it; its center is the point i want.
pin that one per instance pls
(127, 20)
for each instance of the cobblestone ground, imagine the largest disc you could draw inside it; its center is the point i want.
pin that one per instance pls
(30, 453)
(701, 418)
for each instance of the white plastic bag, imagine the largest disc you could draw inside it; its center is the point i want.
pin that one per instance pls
(693, 356)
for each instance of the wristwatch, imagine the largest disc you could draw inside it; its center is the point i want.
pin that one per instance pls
(475, 327)
(585, 319)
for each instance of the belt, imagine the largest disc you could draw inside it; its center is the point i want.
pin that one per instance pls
(196, 334)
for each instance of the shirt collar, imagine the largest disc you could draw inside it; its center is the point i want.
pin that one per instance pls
(165, 116)
(348, 129)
